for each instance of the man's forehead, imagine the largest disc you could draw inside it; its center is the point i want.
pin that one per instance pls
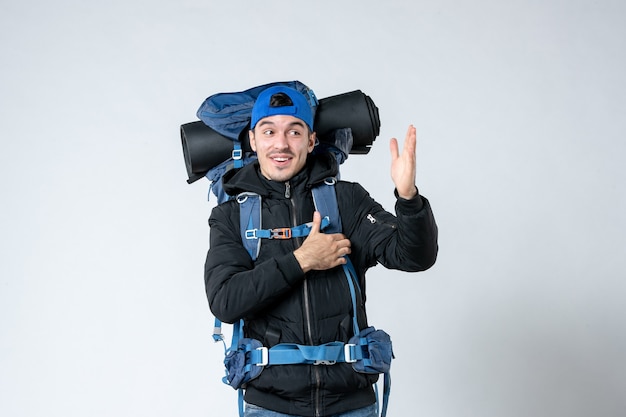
(281, 120)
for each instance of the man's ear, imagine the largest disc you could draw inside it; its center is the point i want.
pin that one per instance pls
(252, 142)
(312, 140)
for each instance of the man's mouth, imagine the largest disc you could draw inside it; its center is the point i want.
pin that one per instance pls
(280, 160)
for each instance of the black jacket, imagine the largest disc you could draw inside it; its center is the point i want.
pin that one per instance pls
(281, 304)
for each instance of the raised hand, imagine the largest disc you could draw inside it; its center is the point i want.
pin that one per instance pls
(403, 164)
(321, 251)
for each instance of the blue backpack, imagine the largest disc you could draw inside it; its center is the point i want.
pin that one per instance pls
(369, 350)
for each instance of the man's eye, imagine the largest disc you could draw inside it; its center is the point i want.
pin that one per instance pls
(294, 133)
(268, 132)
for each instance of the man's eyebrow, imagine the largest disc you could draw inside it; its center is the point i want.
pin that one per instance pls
(266, 122)
(297, 123)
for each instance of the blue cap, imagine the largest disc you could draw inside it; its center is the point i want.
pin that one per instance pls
(300, 109)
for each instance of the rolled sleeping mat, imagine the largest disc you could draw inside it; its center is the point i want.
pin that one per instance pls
(204, 148)
(354, 110)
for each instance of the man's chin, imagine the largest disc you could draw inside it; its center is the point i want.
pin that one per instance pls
(280, 177)
(277, 175)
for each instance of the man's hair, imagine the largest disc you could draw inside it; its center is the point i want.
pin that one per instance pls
(280, 100)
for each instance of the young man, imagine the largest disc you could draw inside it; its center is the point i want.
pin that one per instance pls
(296, 290)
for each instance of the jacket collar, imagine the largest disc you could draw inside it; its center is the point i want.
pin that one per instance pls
(249, 178)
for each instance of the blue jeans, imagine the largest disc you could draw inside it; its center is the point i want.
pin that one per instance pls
(256, 411)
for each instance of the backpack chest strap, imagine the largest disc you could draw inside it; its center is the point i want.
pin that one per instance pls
(285, 232)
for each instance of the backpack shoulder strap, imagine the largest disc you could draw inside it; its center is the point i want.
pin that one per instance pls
(325, 200)
(250, 219)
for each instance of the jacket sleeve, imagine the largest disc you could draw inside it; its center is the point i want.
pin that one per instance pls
(235, 288)
(405, 241)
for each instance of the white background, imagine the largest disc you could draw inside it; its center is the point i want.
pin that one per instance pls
(520, 110)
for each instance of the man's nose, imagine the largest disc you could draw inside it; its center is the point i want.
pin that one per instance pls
(281, 141)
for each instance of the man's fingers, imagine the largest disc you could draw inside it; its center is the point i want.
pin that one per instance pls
(393, 147)
(410, 140)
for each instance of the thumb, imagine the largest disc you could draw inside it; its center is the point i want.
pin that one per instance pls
(317, 222)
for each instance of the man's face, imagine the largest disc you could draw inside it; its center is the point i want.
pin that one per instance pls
(282, 144)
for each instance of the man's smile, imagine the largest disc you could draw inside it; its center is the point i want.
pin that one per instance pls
(280, 159)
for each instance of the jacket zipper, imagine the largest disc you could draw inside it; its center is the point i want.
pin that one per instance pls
(307, 305)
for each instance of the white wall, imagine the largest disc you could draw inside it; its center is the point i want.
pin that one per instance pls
(520, 113)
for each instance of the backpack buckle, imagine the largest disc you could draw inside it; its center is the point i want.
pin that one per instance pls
(348, 348)
(251, 234)
(265, 356)
(281, 233)
(324, 362)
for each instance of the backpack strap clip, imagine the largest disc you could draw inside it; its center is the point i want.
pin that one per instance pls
(349, 352)
(265, 356)
(280, 233)
(237, 155)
